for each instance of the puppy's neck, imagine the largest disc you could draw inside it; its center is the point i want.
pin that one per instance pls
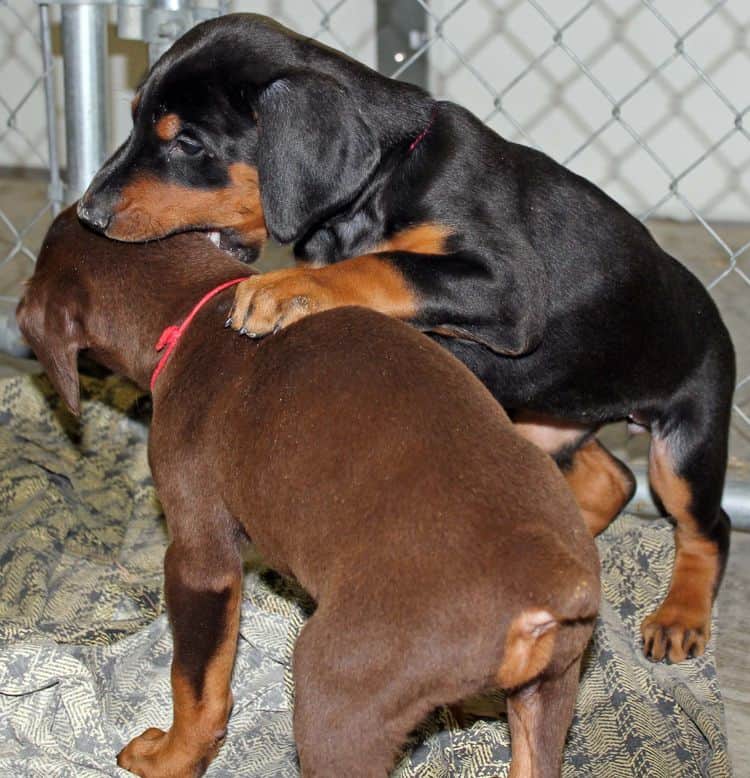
(133, 302)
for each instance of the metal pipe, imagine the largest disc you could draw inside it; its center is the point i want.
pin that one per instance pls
(55, 183)
(84, 40)
(736, 500)
(401, 31)
(166, 21)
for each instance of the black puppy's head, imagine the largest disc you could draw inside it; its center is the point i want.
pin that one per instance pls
(235, 129)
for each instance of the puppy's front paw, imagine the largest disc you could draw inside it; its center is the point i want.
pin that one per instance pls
(154, 754)
(267, 303)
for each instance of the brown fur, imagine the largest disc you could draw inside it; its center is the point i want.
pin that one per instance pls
(236, 207)
(277, 299)
(442, 549)
(168, 127)
(602, 485)
(428, 238)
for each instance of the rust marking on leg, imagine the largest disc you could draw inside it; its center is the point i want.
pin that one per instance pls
(681, 626)
(200, 712)
(601, 485)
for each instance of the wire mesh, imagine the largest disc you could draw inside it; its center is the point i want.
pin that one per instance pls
(665, 101)
(23, 146)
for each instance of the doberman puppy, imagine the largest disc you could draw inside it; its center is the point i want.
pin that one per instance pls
(553, 295)
(444, 551)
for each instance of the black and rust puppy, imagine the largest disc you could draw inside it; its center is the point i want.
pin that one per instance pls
(444, 551)
(559, 300)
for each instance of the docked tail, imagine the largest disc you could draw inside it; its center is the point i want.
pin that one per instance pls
(544, 637)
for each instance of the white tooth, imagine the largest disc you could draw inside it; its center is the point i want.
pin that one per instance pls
(215, 237)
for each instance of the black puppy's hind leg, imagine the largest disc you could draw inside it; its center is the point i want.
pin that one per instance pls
(601, 483)
(687, 466)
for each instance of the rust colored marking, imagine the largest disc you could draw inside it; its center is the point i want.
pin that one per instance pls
(199, 720)
(600, 485)
(168, 126)
(528, 648)
(428, 238)
(274, 300)
(369, 281)
(149, 208)
(681, 626)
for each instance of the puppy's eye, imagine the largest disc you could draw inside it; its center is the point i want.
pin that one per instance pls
(188, 146)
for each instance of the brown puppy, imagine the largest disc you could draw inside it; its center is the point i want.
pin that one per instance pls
(445, 553)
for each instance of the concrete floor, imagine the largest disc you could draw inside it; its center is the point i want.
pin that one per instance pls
(21, 199)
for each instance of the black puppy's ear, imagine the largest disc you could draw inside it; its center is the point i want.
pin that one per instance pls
(315, 152)
(56, 338)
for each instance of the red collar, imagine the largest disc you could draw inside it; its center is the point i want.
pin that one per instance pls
(171, 335)
(422, 135)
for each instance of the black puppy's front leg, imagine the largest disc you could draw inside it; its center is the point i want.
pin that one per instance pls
(499, 301)
(203, 593)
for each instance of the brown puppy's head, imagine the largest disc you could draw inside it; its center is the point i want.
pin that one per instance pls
(49, 316)
(113, 299)
(235, 129)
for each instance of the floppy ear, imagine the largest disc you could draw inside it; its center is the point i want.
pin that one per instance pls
(56, 338)
(315, 152)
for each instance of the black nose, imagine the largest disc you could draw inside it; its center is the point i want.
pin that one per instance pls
(96, 218)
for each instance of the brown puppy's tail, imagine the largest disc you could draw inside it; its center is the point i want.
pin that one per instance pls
(529, 645)
(540, 668)
(550, 636)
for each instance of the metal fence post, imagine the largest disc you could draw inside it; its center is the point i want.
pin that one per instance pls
(84, 40)
(401, 33)
(55, 193)
(161, 22)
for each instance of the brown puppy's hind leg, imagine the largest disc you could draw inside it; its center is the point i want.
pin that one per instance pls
(203, 598)
(539, 716)
(339, 725)
(361, 687)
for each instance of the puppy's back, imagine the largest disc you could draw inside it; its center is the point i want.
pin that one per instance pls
(358, 429)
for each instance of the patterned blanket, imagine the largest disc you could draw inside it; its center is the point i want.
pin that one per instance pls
(85, 648)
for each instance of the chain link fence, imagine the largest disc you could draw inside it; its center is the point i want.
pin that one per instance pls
(28, 195)
(648, 99)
